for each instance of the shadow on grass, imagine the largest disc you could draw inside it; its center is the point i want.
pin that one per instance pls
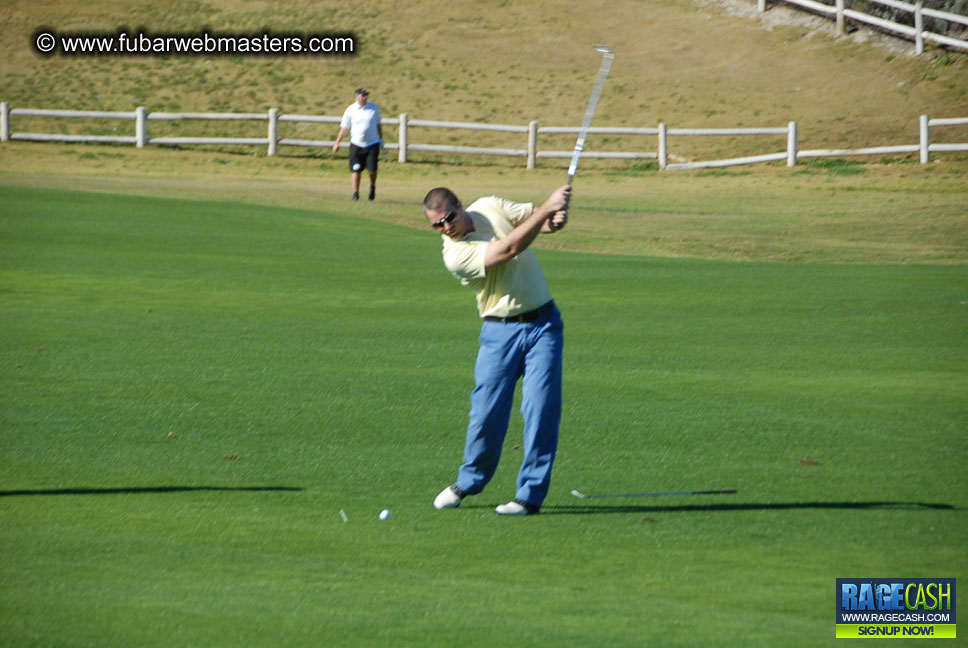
(147, 489)
(585, 509)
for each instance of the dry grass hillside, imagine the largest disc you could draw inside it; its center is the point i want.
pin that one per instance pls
(689, 64)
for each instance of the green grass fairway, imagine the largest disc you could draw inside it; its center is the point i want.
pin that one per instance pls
(192, 392)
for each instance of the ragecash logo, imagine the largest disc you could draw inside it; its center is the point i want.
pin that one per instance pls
(900, 608)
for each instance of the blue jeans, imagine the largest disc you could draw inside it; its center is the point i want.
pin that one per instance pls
(509, 351)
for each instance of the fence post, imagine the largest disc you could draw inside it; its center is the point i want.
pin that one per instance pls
(663, 150)
(925, 132)
(141, 126)
(761, 5)
(402, 153)
(792, 144)
(918, 29)
(5, 121)
(273, 131)
(532, 144)
(841, 26)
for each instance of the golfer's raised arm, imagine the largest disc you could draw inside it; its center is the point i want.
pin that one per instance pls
(503, 250)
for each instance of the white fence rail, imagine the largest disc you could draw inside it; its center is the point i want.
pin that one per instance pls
(272, 141)
(918, 33)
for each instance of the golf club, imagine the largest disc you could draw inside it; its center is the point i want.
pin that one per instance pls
(607, 58)
(580, 495)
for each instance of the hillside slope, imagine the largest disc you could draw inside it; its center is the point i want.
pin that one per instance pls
(685, 63)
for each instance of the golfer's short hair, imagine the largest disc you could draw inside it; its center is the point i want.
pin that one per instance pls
(440, 198)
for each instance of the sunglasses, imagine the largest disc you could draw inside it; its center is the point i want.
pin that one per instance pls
(443, 221)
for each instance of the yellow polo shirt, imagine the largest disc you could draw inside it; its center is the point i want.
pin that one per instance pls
(515, 287)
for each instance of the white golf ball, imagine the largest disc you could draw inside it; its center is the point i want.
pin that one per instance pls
(385, 514)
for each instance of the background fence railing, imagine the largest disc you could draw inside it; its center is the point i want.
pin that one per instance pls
(272, 141)
(916, 31)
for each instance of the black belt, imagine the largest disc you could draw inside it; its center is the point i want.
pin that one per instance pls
(530, 316)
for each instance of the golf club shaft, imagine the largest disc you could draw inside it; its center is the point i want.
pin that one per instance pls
(607, 59)
(655, 494)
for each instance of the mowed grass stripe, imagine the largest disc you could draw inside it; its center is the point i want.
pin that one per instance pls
(205, 344)
(218, 300)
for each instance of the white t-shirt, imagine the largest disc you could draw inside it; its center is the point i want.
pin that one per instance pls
(512, 288)
(363, 122)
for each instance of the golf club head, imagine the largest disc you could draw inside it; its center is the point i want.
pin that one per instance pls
(604, 49)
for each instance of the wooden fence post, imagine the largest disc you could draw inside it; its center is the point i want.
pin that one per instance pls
(5, 121)
(273, 131)
(792, 144)
(761, 5)
(925, 132)
(918, 29)
(841, 23)
(141, 126)
(402, 153)
(663, 150)
(532, 144)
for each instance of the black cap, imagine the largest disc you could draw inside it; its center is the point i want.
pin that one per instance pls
(362, 91)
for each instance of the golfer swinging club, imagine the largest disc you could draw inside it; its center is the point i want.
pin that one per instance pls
(486, 248)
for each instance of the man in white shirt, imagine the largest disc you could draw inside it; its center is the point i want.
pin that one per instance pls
(362, 120)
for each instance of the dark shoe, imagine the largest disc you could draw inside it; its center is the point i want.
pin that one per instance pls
(356, 196)
(372, 192)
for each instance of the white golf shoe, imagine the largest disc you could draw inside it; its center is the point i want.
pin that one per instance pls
(515, 507)
(447, 499)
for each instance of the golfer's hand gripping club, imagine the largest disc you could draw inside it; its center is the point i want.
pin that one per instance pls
(557, 207)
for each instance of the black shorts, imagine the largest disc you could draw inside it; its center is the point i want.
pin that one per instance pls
(364, 156)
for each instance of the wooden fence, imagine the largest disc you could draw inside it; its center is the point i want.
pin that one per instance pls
(272, 141)
(918, 33)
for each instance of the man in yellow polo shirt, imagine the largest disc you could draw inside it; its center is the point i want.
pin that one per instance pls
(486, 247)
